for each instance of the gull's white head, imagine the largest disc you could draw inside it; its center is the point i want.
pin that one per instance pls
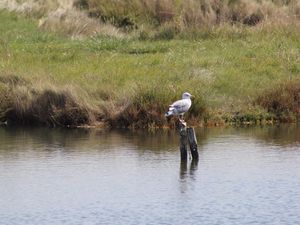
(186, 95)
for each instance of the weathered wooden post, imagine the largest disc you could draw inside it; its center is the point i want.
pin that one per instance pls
(183, 141)
(187, 135)
(193, 143)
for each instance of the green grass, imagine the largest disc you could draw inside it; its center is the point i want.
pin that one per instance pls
(119, 80)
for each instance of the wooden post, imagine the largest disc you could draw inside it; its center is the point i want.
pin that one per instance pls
(183, 141)
(192, 142)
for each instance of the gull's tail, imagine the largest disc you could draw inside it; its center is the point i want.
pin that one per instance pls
(167, 114)
(170, 112)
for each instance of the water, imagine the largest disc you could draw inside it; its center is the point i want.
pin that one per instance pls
(244, 176)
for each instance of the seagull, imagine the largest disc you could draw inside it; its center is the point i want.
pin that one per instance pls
(179, 107)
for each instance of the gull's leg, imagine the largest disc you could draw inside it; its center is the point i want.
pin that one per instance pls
(181, 118)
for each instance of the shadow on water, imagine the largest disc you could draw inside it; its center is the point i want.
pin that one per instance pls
(282, 135)
(86, 141)
(141, 141)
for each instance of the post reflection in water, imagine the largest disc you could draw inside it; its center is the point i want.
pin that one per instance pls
(187, 173)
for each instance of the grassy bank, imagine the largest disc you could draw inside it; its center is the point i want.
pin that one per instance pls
(238, 75)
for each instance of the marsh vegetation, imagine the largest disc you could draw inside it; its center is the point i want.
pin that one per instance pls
(78, 63)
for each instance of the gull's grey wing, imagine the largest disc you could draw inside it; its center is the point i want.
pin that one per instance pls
(181, 106)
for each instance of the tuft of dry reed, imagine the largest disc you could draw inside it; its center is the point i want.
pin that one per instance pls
(61, 17)
(21, 102)
(76, 24)
(282, 100)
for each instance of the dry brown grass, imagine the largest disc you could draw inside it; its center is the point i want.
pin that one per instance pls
(61, 17)
(22, 102)
(36, 102)
(79, 18)
(32, 7)
(283, 100)
(76, 24)
(191, 13)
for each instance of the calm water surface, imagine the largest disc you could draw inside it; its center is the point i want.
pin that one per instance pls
(244, 176)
